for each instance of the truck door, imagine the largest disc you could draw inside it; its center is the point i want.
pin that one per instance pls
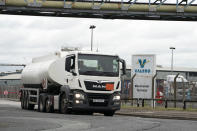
(71, 70)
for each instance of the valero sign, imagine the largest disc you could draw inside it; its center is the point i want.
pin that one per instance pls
(143, 65)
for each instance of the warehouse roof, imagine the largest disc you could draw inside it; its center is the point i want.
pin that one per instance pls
(11, 77)
(179, 69)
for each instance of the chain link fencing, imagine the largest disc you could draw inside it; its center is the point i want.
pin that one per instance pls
(10, 89)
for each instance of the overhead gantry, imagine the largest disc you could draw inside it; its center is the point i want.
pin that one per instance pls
(179, 10)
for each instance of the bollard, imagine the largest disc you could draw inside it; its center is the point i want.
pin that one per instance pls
(131, 89)
(184, 105)
(138, 104)
(166, 103)
(153, 103)
(142, 102)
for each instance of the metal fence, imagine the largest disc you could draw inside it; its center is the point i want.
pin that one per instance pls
(10, 89)
(164, 103)
(178, 94)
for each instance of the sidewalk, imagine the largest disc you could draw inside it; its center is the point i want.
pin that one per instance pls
(180, 115)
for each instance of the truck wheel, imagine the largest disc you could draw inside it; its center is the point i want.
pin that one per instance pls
(42, 107)
(49, 107)
(31, 107)
(109, 113)
(28, 105)
(25, 99)
(22, 100)
(63, 104)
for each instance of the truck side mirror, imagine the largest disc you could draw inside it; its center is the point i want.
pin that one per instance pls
(123, 66)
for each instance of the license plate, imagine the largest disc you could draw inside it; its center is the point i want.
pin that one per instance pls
(98, 100)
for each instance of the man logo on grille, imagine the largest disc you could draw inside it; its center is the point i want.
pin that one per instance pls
(99, 82)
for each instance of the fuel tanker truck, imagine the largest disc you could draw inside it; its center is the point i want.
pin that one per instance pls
(73, 81)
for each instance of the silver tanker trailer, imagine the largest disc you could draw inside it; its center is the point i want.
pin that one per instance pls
(73, 81)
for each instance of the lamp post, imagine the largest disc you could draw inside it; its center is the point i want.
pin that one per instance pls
(172, 48)
(92, 27)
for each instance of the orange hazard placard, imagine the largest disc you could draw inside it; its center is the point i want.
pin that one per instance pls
(109, 87)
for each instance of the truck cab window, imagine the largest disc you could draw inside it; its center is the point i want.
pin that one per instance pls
(70, 63)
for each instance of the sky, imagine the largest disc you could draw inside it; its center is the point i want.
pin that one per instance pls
(25, 37)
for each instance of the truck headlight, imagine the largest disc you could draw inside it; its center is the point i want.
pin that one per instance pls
(79, 102)
(79, 96)
(116, 98)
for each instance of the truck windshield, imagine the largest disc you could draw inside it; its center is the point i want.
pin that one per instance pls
(98, 65)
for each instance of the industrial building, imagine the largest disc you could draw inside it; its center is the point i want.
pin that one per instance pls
(10, 85)
(189, 73)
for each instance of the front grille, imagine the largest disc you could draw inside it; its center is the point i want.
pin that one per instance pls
(106, 98)
(97, 86)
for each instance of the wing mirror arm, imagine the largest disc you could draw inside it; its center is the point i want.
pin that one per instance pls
(73, 73)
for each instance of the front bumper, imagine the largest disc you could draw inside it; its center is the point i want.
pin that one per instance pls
(88, 104)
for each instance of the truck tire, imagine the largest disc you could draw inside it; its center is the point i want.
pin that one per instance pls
(25, 99)
(109, 113)
(28, 106)
(42, 106)
(31, 107)
(22, 100)
(64, 104)
(49, 107)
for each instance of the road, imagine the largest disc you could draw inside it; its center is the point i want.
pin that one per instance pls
(13, 118)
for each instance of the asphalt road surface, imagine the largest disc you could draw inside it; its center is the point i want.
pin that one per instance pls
(13, 118)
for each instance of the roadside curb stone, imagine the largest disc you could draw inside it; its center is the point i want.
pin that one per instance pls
(178, 115)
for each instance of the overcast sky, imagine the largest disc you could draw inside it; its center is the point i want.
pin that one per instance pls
(25, 37)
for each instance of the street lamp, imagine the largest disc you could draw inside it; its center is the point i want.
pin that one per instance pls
(92, 28)
(172, 48)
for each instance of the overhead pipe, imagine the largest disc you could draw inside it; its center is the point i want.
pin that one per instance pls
(145, 7)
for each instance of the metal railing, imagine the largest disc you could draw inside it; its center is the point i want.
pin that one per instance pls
(11, 92)
(159, 103)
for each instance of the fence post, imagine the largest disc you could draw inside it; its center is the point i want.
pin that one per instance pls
(153, 89)
(0, 92)
(175, 89)
(193, 91)
(183, 89)
(138, 104)
(131, 89)
(142, 102)
(184, 105)
(166, 103)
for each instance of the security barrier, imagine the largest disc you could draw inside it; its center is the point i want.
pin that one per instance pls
(166, 103)
(10, 89)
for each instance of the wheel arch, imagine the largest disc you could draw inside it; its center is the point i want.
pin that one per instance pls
(64, 90)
